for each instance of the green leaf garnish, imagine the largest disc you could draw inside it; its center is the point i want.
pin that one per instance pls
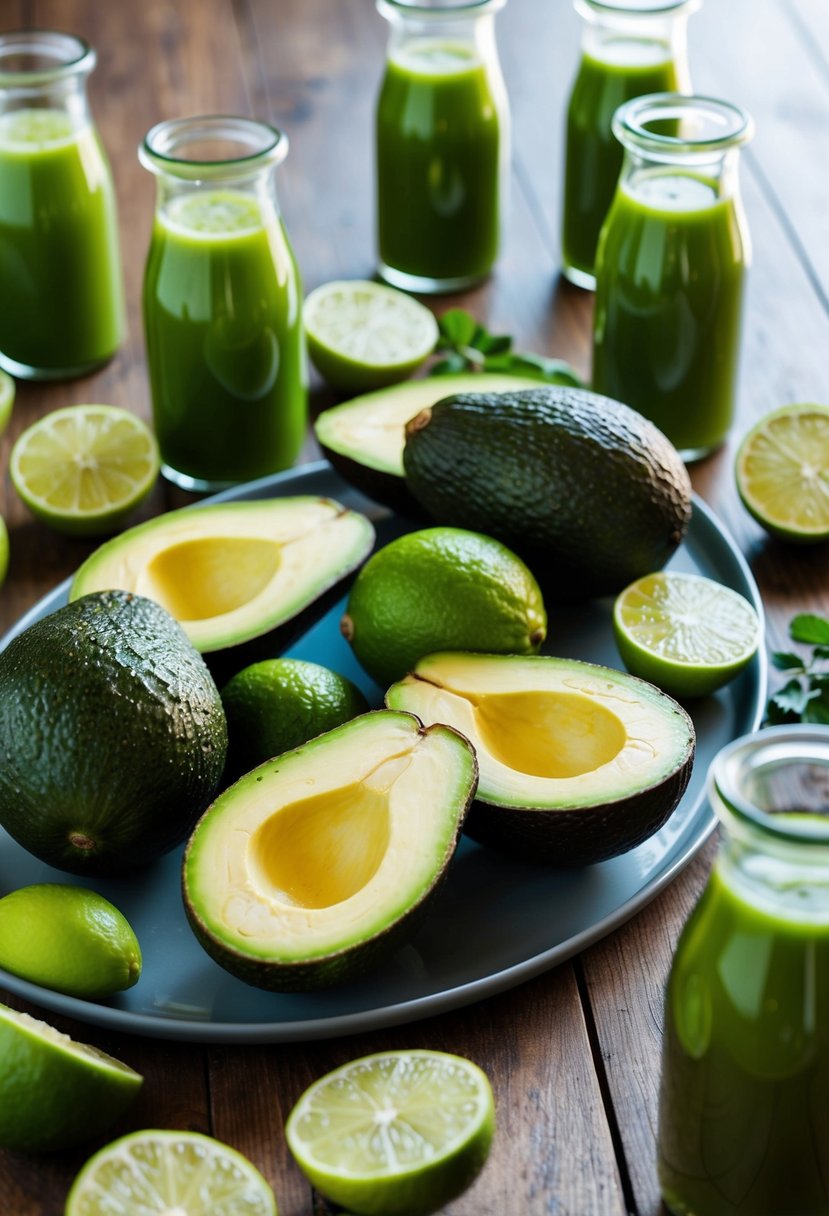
(470, 347)
(805, 695)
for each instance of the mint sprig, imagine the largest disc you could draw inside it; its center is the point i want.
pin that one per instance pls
(467, 346)
(804, 697)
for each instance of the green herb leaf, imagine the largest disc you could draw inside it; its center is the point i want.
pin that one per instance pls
(805, 696)
(470, 347)
(457, 327)
(809, 628)
(449, 366)
(785, 660)
(793, 698)
(817, 710)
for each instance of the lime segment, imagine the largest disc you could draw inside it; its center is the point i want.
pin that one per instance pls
(83, 469)
(7, 390)
(363, 335)
(685, 633)
(398, 1133)
(782, 472)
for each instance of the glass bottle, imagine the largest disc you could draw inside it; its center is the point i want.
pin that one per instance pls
(61, 303)
(670, 268)
(442, 130)
(629, 48)
(744, 1117)
(222, 304)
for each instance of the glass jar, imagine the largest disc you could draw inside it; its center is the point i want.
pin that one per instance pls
(628, 48)
(442, 145)
(744, 1117)
(670, 268)
(61, 303)
(222, 305)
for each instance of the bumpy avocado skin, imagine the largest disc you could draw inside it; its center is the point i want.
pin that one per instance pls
(112, 734)
(591, 494)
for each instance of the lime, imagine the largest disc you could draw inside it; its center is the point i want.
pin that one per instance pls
(172, 1173)
(685, 633)
(274, 706)
(55, 1092)
(441, 589)
(782, 472)
(4, 550)
(363, 335)
(69, 939)
(399, 1133)
(6, 399)
(84, 468)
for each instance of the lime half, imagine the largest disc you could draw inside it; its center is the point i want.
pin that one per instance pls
(685, 633)
(83, 469)
(782, 472)
(7, 388)
(400, 1133)
(363, 335)
(174, 1173)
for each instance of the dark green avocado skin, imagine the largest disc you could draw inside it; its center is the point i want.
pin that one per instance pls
(112, 734)
(591, 494)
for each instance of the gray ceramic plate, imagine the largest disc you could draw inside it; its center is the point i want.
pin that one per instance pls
(497, 922)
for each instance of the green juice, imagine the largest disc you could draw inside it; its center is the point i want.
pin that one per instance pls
(222, 319)
(744, 1118)
(61, 303)
(438, 164)
(669, 293)
(628, 67)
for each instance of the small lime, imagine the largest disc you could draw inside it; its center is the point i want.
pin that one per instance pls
(175, 1173)
(55, 1092)
(687, 634)
(7, 388)
(782, 472)
(400, 1133)
(278, 704)
(363, 335)
(69, 939)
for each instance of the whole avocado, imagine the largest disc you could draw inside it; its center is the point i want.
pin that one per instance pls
(112, 734)
(591, 494)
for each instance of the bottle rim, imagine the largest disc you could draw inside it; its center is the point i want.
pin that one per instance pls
(723, 124)
(437, 10)
(635, 8)
(72, 56)
(260, 146)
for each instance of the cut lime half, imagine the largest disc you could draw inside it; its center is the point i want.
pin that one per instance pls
(363, 335)
(400, 1133)
(7, 389)
(687, 634)
(782, 472)
(83, 469)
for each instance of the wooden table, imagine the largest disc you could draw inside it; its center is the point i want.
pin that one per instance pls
(573, 1055)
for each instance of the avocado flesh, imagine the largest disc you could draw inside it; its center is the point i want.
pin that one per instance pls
(233, 571)
(313, 867)
(577, 762)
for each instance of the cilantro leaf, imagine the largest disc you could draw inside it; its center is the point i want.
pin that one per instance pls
(809, 628)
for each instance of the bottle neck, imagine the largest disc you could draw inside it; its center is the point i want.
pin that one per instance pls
(440, 39)
(636, 40)
(679, 183)
(45, 70)
(789, 883)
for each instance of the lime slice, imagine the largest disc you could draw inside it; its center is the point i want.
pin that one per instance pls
(782, 472)
(7, 387)
(687, 634)
(176, 1173)
(362, 335)
(55, 1092)
(399, 1133)
(83, 469)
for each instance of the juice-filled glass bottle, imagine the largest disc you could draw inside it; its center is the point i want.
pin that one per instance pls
(61, 293)
(629, 48)
(744, 1117)
(671, 266)
(442, 143)
(222, 305)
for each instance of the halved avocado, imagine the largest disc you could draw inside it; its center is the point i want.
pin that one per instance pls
(314, 866)
(364, 438)
(230, 572)
(578, 762)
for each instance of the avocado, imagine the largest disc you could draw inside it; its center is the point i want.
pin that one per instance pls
(363, 438)
(314, 866)
(578, 762)
(112, 734)
(586, 490)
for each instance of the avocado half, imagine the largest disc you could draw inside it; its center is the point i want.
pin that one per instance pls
(577, 762)
(314, 866)
(230, 572)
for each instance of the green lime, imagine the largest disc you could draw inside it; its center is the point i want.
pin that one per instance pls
(55, 1092)
(363, 335)
(172, 1173)
(69, 939)
(441, 589)
(84, 468)
(274, 706)
(782, 472)
(4, 550)
(7, 388)
(687, 634)
(400, 1133)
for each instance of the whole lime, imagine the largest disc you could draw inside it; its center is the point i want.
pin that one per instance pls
(441, 589)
